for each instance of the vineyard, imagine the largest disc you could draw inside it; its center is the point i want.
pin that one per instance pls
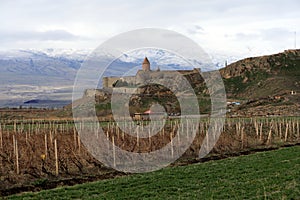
(34, 151)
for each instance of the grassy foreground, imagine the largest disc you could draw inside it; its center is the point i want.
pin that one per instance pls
(264, 175)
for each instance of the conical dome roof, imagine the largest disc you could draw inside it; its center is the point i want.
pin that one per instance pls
(146, 61)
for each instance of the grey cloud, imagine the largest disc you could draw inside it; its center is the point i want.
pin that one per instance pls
(196, 30)
(246, 36)
(53, 35)
(272, 34)
(56, 35)
(276, 34)
(105, 18)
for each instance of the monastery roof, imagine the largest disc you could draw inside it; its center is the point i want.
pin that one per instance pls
(146, 61)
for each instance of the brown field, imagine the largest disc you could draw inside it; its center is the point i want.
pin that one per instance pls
(47, 153)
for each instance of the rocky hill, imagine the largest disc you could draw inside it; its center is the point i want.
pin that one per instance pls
(267, 85)
(257, 77)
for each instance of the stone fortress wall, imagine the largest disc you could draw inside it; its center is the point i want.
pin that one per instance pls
(142, 76)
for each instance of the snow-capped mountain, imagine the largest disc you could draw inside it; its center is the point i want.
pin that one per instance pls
(50, 52)
(34, 74)
(29, 62)
(49, 74)
(73, 54)
(162, 58)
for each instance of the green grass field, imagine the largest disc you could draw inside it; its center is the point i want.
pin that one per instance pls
(265, 175)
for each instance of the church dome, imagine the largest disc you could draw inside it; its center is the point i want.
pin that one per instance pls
(146, 65)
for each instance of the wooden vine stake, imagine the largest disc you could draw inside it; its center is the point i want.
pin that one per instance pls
(75, 137)
(114, 150)
(286, 132)
(118, 132)
(298, 130)
(79, 143)
(14, 144)
(293, 127)
(256, 128)
(237, 131)
(46, 145)
(242, 136)
(207, 140)
(172, 148)
(280, 131)
(26, 137)
(17, 157)
(56, 157)
(137, 137)
(178, 132)
(15, 126)
(149, 136)
(260, 132)
(187, 129)
(1, 137)
(51, 137)
(270, 135)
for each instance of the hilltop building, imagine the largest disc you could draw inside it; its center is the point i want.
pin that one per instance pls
(143, 76)
(146, 65)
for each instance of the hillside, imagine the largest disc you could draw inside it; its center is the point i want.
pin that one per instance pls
(266, 85)
(263, 86)
(262, 76)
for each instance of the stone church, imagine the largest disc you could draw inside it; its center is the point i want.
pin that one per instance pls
(143, 76)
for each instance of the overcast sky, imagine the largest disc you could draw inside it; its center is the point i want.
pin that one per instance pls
(228, 26)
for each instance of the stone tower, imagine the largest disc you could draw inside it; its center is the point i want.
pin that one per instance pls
(146, 65)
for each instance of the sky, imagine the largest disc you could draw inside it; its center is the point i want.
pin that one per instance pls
(231, 27)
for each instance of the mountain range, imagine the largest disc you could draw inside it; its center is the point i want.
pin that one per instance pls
(45, 78)
(49, 74)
